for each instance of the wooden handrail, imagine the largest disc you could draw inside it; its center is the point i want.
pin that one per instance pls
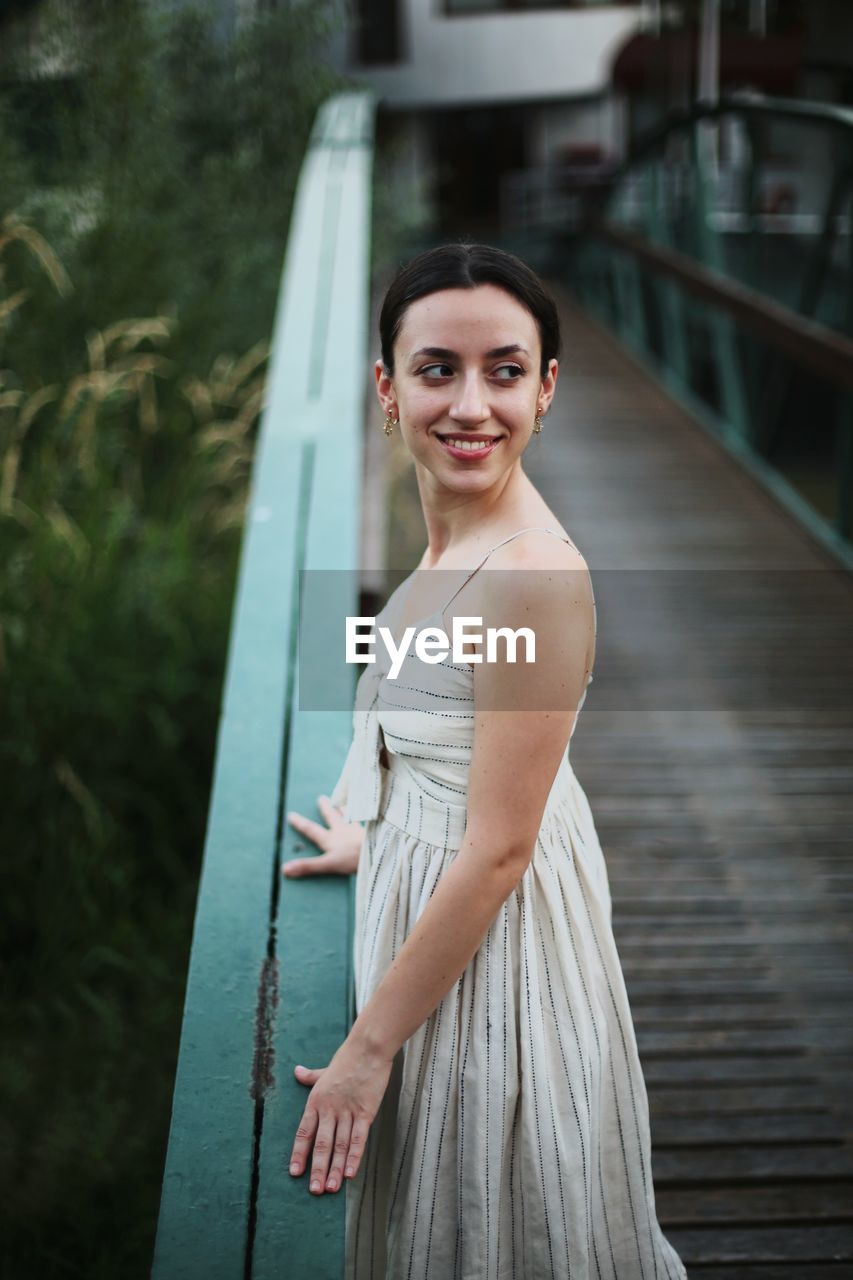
(269, 981)
(808, 343)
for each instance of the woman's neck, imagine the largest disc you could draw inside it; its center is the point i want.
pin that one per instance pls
(458, 523)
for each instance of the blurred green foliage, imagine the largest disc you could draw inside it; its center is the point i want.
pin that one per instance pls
(140, 257)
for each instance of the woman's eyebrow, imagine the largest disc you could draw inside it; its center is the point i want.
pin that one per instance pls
(444, 353)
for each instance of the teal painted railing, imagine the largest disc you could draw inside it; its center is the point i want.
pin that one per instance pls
(729, 293)
(269, 981)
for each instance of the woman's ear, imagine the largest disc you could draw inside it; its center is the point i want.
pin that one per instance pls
(549, 384)
(385, 388)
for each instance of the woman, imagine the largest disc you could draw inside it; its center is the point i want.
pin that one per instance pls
(487, 1108)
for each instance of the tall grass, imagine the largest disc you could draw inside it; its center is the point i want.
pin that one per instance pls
(121, 498)
(136, 301)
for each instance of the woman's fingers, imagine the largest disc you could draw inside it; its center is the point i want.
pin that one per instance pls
(335, 1142)
(330, 812)
(302, 1141)
(316, 834)
(335, 1176)
(338, 1114)
(324, 864)
(322, 1152)
(340, 843)
(358, 1137)
(308, 1075)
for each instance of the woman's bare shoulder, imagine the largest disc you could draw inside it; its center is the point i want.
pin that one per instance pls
(536, 575)
(538, 549)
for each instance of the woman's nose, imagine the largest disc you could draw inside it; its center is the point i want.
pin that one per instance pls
(470, 405)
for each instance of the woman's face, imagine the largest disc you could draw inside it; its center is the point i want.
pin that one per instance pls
(466, 370)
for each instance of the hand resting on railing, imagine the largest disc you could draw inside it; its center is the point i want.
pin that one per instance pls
(339, 843)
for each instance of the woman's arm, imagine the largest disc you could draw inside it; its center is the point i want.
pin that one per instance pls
(523, 718)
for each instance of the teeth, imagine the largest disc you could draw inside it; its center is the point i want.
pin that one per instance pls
(470, 444)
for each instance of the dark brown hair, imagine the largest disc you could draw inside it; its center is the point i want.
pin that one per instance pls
(464, 266)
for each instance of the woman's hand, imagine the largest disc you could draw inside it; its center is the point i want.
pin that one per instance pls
(340, 843)
(340, 1109)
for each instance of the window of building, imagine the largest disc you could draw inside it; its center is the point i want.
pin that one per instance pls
(377, 31)
(456, 7)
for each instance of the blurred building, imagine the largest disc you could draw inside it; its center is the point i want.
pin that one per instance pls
(493, 106)
(475, 91)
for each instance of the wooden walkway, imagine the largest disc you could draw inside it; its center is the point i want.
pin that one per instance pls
(716, 747)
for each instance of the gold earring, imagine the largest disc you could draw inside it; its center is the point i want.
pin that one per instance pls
(390, 423)
(537, 423)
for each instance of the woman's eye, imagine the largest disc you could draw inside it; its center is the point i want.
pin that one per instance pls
(515, 371)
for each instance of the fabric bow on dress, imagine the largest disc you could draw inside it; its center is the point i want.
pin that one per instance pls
(359, 788)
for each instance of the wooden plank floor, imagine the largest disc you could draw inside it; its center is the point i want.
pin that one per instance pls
(716, 747)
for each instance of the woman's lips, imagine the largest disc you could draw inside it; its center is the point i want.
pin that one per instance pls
(468, 454)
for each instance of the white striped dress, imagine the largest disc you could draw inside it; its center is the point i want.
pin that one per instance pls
(513, 1141)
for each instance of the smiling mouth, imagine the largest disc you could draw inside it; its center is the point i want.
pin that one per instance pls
(467, 445)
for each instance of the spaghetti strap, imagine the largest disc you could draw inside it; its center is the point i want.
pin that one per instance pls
(531, 529)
